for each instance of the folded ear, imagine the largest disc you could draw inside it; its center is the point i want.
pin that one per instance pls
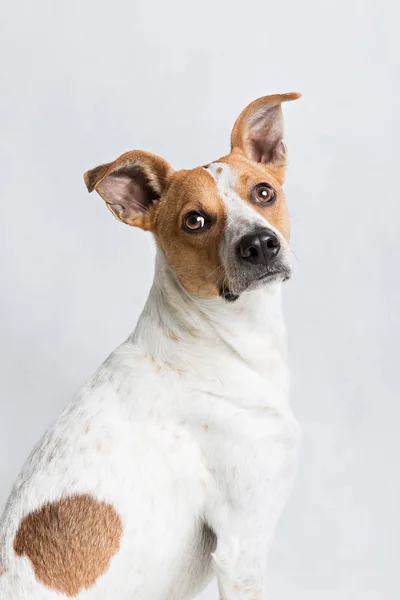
(258, 131)
(131, 185)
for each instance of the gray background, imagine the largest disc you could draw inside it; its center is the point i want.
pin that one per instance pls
(83, 82)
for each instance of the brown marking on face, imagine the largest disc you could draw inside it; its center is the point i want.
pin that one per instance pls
(142, 189)
(247, 175)
(194, 257)
(70, 543)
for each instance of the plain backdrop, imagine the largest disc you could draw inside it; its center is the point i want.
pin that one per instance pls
(82, 82)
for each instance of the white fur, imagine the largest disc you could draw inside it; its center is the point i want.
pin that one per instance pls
(186, 423)
(241, 218)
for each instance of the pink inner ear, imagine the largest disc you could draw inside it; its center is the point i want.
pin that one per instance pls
(265, 135)
(120, 188)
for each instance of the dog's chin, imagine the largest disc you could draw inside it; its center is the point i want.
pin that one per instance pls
(232, 292)
(278, 276)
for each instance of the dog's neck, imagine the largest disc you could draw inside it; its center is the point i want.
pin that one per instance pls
(202, 335)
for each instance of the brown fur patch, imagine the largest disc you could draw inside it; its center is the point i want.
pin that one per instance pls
(194, 257)
(70, 542)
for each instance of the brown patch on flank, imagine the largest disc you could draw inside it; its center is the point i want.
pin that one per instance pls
(2, 572)
(173, 337)
(205, 426)
(70, 543)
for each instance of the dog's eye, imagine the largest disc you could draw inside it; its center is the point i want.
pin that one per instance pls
(195, 222)
(263, 193)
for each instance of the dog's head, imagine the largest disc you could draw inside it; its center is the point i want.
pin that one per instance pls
(224, 228)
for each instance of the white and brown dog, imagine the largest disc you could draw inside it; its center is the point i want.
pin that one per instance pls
(175, 460)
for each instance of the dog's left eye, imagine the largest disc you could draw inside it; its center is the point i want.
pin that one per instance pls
(195, 222)
(263, 193)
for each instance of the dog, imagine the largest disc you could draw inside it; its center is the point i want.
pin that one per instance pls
(175, 460)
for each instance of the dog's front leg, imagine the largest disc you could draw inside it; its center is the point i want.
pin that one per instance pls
(241, 562)
(243, 513)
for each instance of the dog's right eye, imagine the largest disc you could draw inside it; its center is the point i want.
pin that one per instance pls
(195, 222)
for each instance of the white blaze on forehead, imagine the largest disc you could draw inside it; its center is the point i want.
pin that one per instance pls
(241, 219)
(239, 214)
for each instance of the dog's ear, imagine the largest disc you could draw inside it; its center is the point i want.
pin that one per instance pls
(131, 185)
(258, 131)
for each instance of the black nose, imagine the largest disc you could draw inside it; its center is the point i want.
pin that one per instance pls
(260, 247)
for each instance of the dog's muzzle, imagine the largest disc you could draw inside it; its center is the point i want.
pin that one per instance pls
(258, 259)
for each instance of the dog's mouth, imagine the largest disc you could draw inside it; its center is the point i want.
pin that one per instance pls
(282, 275)
(271, 276)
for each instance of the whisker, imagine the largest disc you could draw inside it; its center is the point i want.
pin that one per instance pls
(212, 272)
